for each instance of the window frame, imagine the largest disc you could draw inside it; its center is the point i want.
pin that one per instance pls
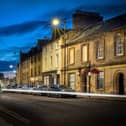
(51, 61)
(82, 55)
(71, 63)
(69, 81)
(57, 60)
(100, 50)
(100, 86)
(119, 45)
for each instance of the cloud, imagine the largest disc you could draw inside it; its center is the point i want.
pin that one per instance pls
(59, 13)
(12, 53)
(107, 10)
(31, 26)
(22, 28)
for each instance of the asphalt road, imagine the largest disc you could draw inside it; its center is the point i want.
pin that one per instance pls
(28, 110)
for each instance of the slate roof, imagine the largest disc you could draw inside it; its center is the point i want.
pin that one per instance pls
(113, 23)
(104, 26)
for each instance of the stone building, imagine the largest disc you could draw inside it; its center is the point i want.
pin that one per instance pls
(30, 67)
(96, 58)
(71, 49)
(51, 57)
(35, 65)
(107, 54)
(24, 69)
(89, 58)
(18, 74)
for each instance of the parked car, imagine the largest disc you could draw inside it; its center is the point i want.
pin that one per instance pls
(60, 88)
(10, 86)
(19, 86)
(66, 89)
(41, 88)
(53, 87)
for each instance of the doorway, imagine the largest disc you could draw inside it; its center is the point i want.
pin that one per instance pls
(84, 82)
(120, 83)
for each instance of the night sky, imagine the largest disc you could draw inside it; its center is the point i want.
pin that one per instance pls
(22, 22)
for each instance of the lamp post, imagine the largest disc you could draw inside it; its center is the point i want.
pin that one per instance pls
(89, 81)
(57, 22)
(89, 76)
(11, 67)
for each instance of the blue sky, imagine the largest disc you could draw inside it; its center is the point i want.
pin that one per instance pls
(22, 22)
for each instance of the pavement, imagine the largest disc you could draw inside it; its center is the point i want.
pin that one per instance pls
(29, 110)
(104, 99)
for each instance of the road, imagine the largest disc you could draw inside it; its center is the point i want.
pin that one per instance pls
(28, 110)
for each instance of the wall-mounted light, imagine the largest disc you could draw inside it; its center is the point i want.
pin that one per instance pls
(89, 74)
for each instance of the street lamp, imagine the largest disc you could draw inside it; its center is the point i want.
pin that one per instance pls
(14, 71)
(11, 66)
(89, 76)
(56, 22)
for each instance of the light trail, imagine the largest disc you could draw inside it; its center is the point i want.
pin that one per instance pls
(63, 92)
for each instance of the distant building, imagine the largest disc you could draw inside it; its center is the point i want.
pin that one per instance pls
(1, 76)
(18, 74)
(35, 55)
(29, 68)
(24, 68)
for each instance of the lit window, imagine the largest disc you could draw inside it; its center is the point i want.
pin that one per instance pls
(51, 60)
(71, 56)
(45, 62)
(57, 60)
(100, 50)
(57, 45)
(100, 80)
(84, 53)
(52, 46)
(119, 49)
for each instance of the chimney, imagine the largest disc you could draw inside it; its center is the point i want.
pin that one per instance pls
(83, 19)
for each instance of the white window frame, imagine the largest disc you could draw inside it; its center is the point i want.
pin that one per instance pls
(100, 80)
(119, 46)
(100, 50)
(72, 80)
